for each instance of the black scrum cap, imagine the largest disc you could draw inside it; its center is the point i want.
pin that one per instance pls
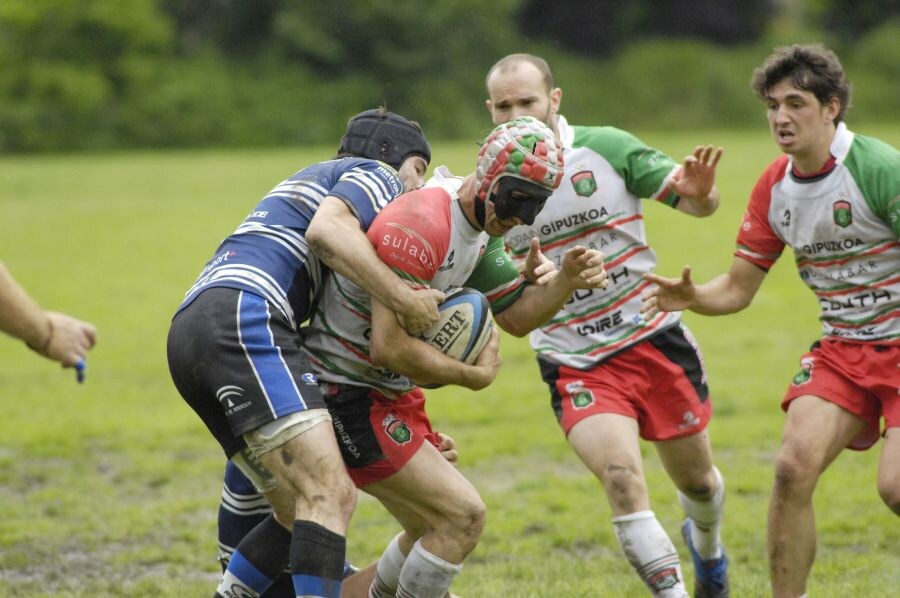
(381, 135)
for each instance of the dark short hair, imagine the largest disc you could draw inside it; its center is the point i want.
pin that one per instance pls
(514, 59)
(812, 68)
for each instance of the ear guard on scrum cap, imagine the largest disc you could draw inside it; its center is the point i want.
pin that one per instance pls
(518, 167)
(381, 135)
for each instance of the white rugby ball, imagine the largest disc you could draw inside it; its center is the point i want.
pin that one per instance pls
(464, 327)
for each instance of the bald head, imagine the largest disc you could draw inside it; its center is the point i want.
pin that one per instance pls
(521, 85)
(513, 62)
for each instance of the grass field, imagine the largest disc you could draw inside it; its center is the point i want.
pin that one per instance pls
(111, 488)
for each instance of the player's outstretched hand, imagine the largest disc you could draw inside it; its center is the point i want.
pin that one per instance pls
(698, 175)
(421, 310)
(669, 294)
(583, 268)
(539, 269)
(488, 362)
(70, 339)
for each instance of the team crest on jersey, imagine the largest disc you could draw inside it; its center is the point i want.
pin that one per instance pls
(581, 397)
(397, 429)
(843, 215)
(584, 183)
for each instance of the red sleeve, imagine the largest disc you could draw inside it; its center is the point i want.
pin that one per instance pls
(756, 241)
(412, 233)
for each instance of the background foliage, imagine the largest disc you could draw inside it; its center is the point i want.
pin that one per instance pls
(94, 74)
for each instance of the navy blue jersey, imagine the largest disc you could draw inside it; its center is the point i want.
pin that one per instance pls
(268, 254)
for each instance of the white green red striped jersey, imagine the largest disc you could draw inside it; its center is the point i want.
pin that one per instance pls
(843, 225)
(424, 237)
(598, 204)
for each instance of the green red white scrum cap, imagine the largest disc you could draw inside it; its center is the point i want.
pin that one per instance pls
(524, 148)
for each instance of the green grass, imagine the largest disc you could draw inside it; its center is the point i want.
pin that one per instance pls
(111, 488)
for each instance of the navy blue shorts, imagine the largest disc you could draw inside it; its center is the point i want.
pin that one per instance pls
(236, 361)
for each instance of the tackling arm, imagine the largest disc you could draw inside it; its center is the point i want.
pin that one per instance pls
(335, 236)
(393, 348)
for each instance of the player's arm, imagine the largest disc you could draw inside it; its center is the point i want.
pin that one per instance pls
(335, 236)
(696, 183)
(724, 294)
(54, 335)
(582, 268)
(393, 348)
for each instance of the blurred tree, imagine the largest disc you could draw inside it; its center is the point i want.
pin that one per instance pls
(237, 27)
(63, 65)
(600, 27)
(850, 19)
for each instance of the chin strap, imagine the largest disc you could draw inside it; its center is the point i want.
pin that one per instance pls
(479, 212)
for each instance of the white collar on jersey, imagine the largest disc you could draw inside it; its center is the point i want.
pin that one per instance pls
(446, 180)
(566, 134)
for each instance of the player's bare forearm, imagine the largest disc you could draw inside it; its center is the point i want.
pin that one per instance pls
(582, 269)
(727, 293)
(392, 348)
(336, 238)
(20, 315)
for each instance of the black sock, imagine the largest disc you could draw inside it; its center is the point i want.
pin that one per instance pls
(317, 551)
(267, 547)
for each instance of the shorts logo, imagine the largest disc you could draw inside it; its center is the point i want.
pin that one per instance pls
(584, 183)
(843, 216)
(581, 397)
(225, 394)
(309, 378)
(689, 420)
(804, 375)
(397, 429)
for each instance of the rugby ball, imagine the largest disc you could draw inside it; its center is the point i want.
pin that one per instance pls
(464, 327)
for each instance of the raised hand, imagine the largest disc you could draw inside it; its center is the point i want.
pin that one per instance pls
(584, 269)
(539, 269)
(698, 175)
(669, 294)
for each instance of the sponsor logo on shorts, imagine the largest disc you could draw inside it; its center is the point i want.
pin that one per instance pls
(309, 378)
(689, 420)
(344, 437)
(397, 429)
(581, 397)
(230, 397)
(805, 374)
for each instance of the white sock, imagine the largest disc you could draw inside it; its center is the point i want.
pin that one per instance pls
(425, 575)
(707, 520)
(652, 554)
(387, 571)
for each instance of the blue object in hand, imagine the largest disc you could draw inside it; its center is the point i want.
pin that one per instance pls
(80, 367)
